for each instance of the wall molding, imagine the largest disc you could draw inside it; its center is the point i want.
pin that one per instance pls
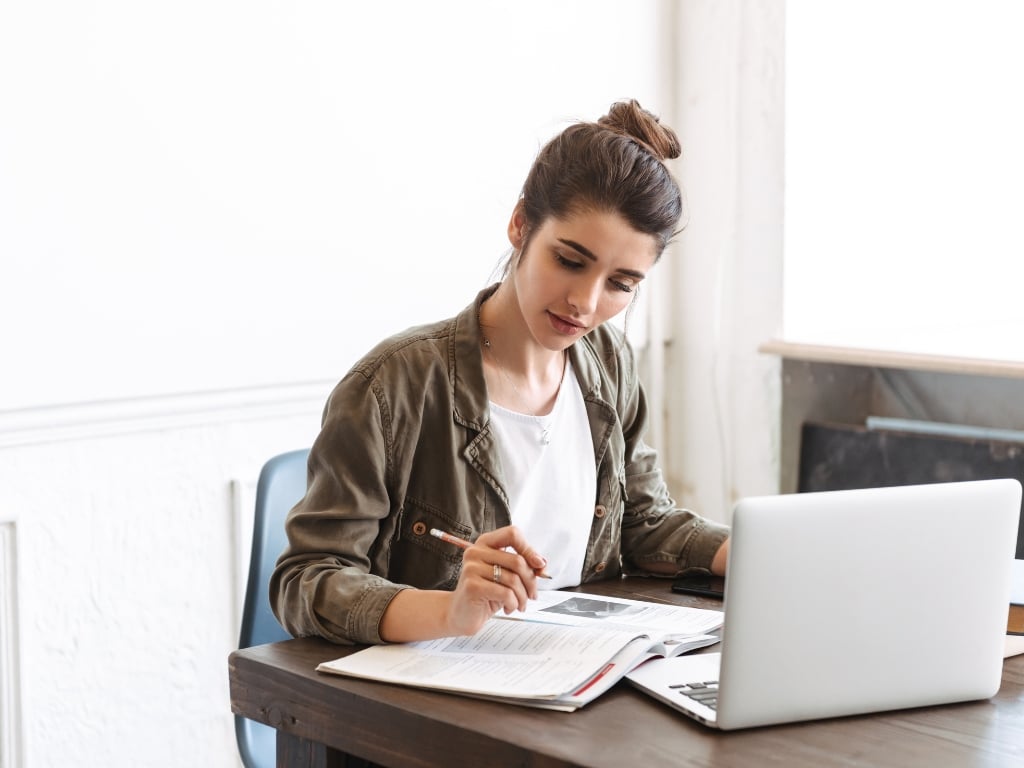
(10, 699)
(59, 423)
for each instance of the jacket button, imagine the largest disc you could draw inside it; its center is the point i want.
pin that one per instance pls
(600, 510)
(419, 528)
(599, 567)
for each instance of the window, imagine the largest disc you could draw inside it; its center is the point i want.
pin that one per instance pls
(905, 176)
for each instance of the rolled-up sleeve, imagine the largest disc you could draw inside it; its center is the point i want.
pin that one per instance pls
(654, 529)
(323, 582)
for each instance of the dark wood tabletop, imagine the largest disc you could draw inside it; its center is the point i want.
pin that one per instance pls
(321, 717)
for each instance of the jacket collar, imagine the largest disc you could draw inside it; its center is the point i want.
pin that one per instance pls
(465, 365)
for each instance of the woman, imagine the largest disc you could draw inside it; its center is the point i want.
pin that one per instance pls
(517, 425)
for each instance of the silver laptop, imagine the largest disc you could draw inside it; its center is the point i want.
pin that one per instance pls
(846, 602)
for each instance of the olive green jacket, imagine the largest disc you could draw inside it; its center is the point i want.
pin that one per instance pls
(406, 446)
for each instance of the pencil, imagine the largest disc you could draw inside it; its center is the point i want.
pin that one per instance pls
(463, 544)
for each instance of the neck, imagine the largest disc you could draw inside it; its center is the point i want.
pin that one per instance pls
(503, 325)
(521, 375)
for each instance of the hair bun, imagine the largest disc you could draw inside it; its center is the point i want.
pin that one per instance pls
(630, 119)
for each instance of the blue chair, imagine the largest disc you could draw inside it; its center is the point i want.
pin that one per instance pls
(281, 484)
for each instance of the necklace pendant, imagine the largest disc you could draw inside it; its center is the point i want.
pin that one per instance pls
(545, 436)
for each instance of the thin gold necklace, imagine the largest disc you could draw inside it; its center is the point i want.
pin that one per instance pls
(545, 431)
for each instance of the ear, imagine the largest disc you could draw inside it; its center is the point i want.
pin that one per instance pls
(517, 226)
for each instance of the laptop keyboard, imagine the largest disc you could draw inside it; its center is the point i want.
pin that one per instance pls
(705, 693)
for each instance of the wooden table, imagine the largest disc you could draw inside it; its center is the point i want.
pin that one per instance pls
(321, 718)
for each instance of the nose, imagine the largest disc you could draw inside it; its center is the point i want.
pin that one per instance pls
(584, 295)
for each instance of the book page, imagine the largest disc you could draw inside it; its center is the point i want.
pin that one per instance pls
(506, 658)
(628, 659)
(582, 609)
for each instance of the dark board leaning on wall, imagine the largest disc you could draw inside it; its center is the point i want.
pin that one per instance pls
(838, 457)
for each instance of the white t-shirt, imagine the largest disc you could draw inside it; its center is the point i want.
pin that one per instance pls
(551, 485)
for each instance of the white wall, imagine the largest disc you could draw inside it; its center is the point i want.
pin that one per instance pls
(215, 194)
(208, 210)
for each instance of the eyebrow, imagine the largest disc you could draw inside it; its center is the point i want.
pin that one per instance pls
(589, 254)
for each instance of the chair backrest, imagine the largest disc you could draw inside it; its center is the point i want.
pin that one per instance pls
(281, 484)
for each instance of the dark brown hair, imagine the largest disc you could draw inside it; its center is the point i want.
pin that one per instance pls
(615, 164)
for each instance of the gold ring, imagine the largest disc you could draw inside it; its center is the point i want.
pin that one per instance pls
(497, 574)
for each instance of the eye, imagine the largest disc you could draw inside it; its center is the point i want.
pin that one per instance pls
(568, 263)
(621, 286)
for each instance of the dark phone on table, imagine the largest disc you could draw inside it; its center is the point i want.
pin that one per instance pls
(703, 584)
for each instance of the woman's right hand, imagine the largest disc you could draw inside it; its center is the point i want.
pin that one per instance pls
(499, 573)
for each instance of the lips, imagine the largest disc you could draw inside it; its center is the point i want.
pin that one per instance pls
(564, 325)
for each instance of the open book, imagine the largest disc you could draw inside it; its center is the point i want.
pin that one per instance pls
(564, 651)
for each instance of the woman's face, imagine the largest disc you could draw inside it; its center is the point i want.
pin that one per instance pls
(578, 272)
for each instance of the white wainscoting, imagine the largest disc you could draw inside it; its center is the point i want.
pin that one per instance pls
(84, 421)
(123, 540)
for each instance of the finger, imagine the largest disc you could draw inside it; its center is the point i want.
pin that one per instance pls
(536, 561)
(520, 576)
(477, 588)
(485, 552)
(511, 537)
(502, 583)
(509, 588)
